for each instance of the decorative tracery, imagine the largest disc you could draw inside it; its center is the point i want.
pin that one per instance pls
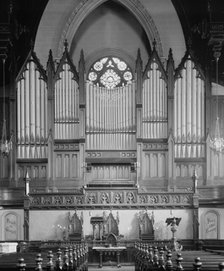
(110, 72)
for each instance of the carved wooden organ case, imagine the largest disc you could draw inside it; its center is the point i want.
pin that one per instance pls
(148, 132)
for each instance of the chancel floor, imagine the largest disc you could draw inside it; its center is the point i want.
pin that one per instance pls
(112, 268)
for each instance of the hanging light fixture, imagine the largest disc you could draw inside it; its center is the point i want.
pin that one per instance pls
(217, 142)
(6, 145)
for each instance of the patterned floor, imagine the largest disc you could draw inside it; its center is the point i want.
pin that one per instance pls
(112, 268)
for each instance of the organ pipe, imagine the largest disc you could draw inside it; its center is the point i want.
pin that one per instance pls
(194, 104)
(27, 107)
(22, 111)
(66, 105)
(112, 112)
(32, 101)
(202, 109)
(154, 104)
(31, 113)
(182, 106)
(37, 106)
(189, 70)
(189, 95)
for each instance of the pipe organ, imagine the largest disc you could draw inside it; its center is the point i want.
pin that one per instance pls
(66, 105)
(189, 112)
(110, 117)
(32, 126)
(154, 104)
(154, 121)
(215, 160)
(123, 124)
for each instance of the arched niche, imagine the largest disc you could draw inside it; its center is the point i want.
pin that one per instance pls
(61, 20)
(10, 226)
(211, 225)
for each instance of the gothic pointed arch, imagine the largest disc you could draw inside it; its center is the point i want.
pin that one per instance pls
(134, 6)
(154, 20)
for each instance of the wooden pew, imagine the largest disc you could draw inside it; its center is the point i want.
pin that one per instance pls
(149, 258)
(73, 258)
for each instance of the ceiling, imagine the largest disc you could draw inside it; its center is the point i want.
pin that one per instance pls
(194, 16)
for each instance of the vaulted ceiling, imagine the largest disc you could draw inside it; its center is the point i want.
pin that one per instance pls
(193, 16)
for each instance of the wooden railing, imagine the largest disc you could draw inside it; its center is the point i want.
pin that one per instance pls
(149, 258)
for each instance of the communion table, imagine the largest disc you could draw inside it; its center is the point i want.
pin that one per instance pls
(109, 251)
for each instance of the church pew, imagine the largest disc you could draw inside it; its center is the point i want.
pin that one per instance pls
(73, 258)
(149, 258)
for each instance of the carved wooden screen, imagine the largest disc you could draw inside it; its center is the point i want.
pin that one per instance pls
(111, 225)
(32, 127)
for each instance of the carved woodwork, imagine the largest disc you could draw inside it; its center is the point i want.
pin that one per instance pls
(105, 228)
(75, 228)
(122, 198)
(146, 230)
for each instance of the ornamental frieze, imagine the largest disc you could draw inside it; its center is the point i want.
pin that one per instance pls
(66, 147)
(155, 146)
(129, 198)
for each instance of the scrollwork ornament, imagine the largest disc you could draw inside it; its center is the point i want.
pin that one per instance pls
(47, 200)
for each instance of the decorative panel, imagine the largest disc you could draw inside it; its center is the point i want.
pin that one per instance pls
(66, 118)
(124, 198)
(189, 112)
(111, 172)
(186, 170)
(154, 165)
(110, 117)
(11, 227)
(215, 164)
(35, 170)
(4, 166)
(66, 165)
(32, 127)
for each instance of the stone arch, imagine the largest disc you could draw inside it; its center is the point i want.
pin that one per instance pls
(158, 18)
(134, 6)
